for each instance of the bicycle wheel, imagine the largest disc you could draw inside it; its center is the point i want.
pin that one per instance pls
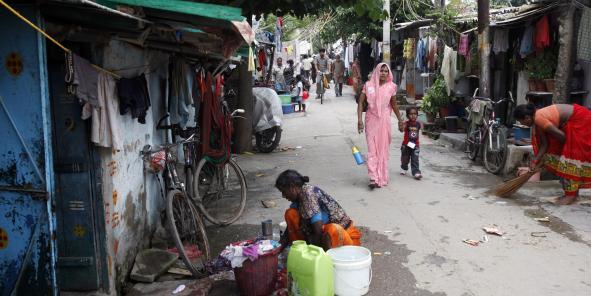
(495, 149)
(220, 191)
(472, 142)
(188, 232)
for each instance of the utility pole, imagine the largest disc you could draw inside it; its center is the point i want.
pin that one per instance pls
(484, 47)
(564, 68)
(386, 34)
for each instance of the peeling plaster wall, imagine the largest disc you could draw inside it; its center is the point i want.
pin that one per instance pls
(132, 198)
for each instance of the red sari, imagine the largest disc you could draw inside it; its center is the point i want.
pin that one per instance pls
(571, 160)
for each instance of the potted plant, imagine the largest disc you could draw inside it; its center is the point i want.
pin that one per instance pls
(541, 68)
(429, 108)
(438, 97)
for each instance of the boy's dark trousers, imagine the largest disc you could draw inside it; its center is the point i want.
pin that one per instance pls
(410, 155)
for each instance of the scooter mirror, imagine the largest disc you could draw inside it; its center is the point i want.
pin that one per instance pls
(237, 111)
(147, 149)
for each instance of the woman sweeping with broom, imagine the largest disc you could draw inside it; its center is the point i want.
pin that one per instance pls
(562, 141)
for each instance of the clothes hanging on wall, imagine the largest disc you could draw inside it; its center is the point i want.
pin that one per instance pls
(181, 92)
(81, 79)
(432, 53)
(448, 68)
(527, 46)
(421, 54)
(463, 46)
(542, 36)
(584, 37)
(134, 97)
(105, 130)
(501, 41)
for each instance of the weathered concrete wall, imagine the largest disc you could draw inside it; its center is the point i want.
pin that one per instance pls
(132, 199)
(587, 83)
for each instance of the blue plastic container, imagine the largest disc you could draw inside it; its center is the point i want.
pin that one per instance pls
(521, 133)
(287, 108)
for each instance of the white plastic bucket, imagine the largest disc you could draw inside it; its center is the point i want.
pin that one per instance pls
(352, 270)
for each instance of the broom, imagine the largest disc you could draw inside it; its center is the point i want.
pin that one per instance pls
(508, 188)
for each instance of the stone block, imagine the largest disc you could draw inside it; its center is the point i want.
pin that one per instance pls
(151, 263)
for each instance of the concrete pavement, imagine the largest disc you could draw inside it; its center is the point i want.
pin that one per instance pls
(422, 223)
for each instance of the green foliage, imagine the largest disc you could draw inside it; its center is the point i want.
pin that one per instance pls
(436, 96)
(541, 66)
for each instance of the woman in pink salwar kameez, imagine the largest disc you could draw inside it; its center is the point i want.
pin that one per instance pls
(379, 93)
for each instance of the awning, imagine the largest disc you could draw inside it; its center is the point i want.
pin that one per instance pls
(525, 14)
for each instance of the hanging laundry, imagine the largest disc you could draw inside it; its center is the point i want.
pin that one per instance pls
(463, 46)
(527, 42)
(420, 55)
(250, 60)
(584, 38)
(432, 53)
(501, 40)
(409, 48)
(181, 96)
(105, 130)
(448, 68)
(134, 97)
(81, 78)
(542, 38)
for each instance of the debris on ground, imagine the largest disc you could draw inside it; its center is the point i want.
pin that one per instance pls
(387, 253)
(539, 233)
(493, 230)
(377, 253)
(388, 231)
(545, 219)
(151, 263)
(179, 289)
(501, 203)
(485, 238)
(260, 174)
(269, 203)
(248, 153)
(471, 242)
(299, 147)
(193, 287)
(287, 148)
(179, 271)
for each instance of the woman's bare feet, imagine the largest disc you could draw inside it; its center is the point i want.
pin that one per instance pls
(565, 200)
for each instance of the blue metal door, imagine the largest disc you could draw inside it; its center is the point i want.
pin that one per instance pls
(77, 188)
(26, 169)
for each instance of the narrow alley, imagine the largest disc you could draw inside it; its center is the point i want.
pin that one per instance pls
(415, 228)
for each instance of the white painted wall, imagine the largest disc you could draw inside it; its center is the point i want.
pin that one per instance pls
(132, 198)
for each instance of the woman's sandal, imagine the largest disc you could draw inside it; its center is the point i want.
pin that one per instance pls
(563, 200)
(373, 185)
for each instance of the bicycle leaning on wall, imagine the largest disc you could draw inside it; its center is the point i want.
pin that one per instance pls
(486, 134)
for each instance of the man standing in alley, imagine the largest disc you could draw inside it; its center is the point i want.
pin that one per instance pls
(338, 74)
(321, 64)
(278, 74)
(307, 66)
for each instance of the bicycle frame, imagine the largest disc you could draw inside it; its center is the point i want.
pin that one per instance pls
(488, 124)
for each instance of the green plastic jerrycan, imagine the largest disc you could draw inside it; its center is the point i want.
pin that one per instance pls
(309, 271)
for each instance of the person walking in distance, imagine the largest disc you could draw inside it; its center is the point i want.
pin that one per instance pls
(321, 63)
(379, 95)
(338, 72)
(356, 75)
(278, 75)
(307, 66)
(410, 144)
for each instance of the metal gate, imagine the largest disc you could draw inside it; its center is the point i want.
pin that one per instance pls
(27, 260)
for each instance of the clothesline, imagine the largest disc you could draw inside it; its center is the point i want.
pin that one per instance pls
(49, 37)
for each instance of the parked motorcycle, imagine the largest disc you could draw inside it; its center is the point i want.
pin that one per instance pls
(267, 118)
